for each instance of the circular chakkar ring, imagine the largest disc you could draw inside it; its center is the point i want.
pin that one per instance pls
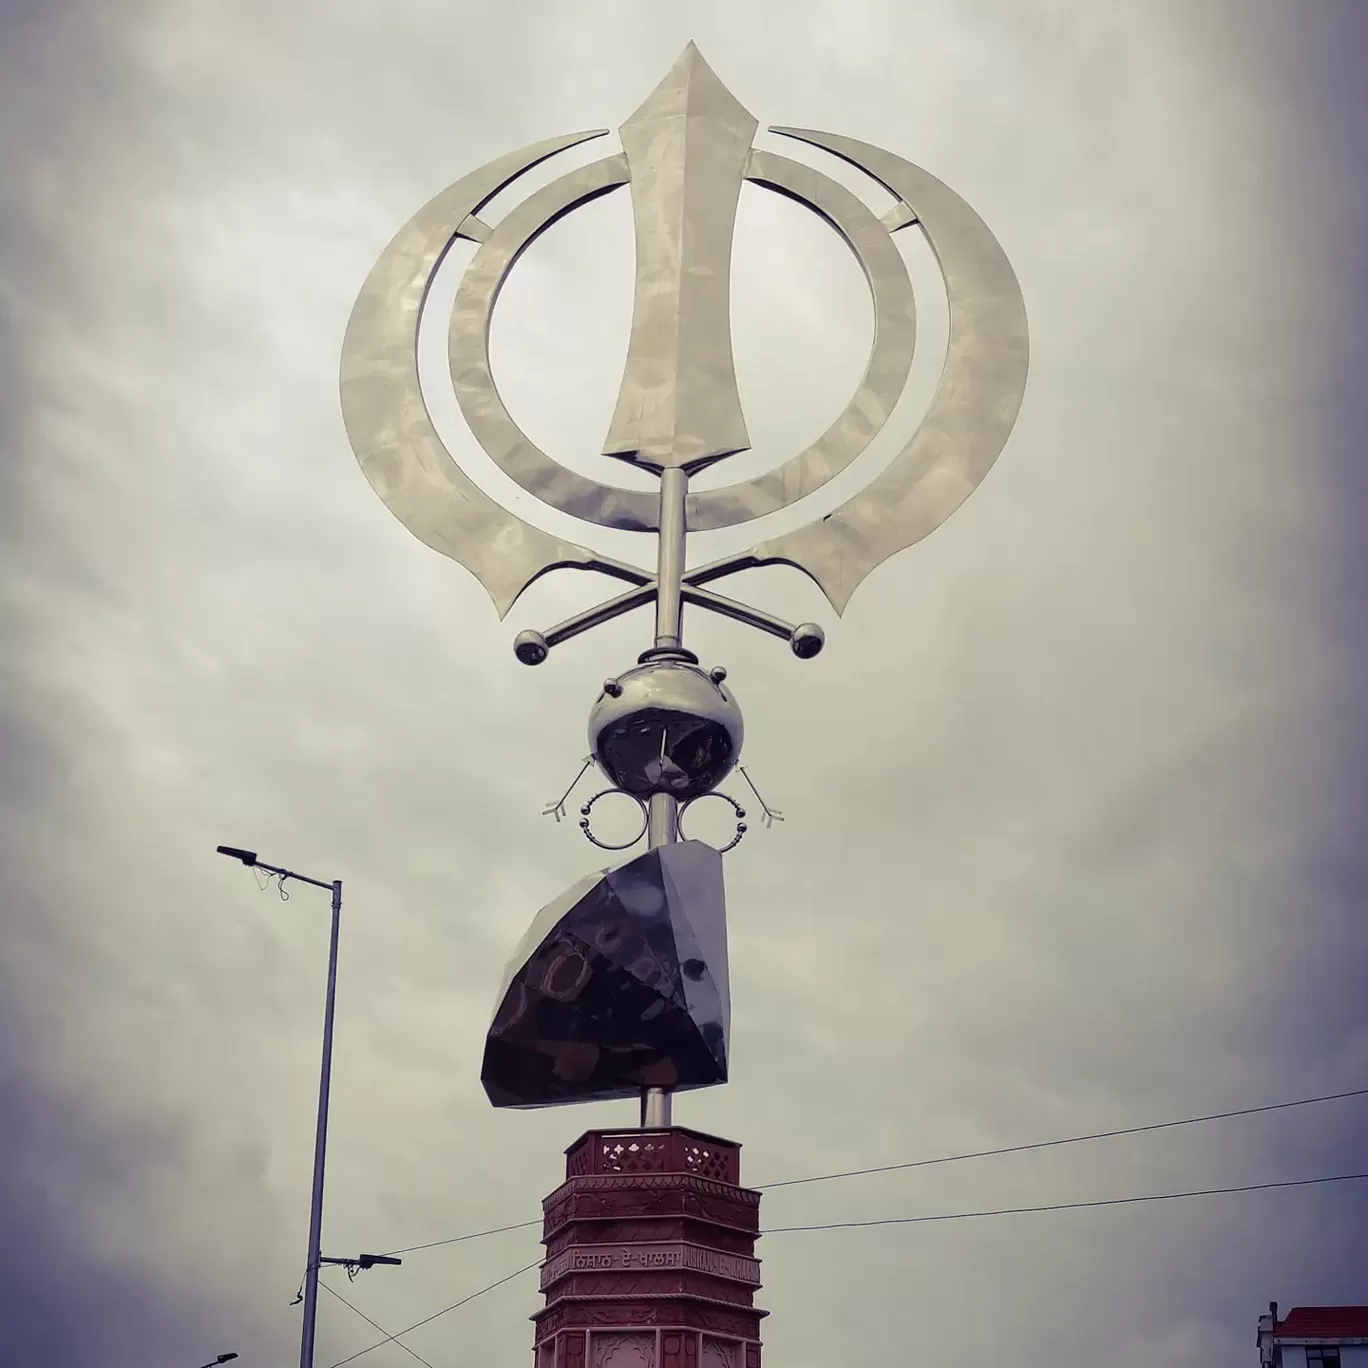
(885, 376)
(726, 798)
(607, 845)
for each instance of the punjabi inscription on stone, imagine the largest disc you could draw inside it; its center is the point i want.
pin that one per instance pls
(632, 1258)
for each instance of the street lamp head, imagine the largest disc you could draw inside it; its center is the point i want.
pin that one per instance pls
(225, 1358)
(370, 1260)
(249, 858)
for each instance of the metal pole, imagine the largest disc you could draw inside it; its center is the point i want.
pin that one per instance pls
(662, 810)
(306, 1342)
(662, 826)
(674, 486)
(655, 1109)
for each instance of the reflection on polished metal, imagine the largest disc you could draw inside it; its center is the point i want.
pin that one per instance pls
(573, 1015)
(686, 149)
(890, 358)
(666, 727)
(619, 985)
(975, 405)
(586, 820)
(655, 1109)
(736, 808)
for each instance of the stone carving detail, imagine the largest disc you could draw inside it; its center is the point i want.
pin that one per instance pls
(647, 1230)
(582, 1185)
(625, 1349)
(646, 1262)
(677, 1150)
(726, 1206)
(633, 1156)
(718, 1353)
(633, 1257)
(678, 1349)
(707, 1161)
(737, 1322)
(682, 1288)
(665, 1230)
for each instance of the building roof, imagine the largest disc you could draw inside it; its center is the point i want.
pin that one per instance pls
(1324, 1322)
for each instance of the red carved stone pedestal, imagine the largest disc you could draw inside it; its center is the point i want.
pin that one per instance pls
(650, 1255)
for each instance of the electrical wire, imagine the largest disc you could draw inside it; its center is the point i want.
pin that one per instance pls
(958, 1158)
(1067, 1206)
(458, 1239)
(412, 1353)
(898, 1220)
(394, 1338)
(1067, 1140)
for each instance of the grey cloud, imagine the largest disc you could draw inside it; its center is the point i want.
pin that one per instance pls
(1073, 810)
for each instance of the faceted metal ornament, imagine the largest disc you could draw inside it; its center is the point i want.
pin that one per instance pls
(619, 985)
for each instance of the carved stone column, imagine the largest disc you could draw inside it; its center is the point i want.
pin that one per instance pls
(650, 1255)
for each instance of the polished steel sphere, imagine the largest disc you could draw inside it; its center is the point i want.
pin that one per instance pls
(807, 640)
(666, 727)
(530, 647)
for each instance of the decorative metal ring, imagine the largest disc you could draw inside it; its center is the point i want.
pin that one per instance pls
(726, 798)
(633, 510)
(606, 845)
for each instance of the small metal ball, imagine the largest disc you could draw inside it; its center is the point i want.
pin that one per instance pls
(807, 640)
(612, 688)
(585, 809)
(530, 647)
(717, 674)
(584, 822)
(740, 812)
(740, 828)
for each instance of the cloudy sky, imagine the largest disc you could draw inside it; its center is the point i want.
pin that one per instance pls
(1073, 798)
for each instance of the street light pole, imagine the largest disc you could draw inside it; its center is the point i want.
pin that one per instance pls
(306, 1340)
(306, 1347)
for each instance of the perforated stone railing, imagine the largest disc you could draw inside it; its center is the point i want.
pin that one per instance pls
(655, 1151)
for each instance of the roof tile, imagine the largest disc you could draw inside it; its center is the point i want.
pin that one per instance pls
(1325, 1322)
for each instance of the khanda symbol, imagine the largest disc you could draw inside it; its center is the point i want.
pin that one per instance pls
(685, 154)
(620, 985)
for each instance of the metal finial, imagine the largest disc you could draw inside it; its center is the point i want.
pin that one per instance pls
(667, 731)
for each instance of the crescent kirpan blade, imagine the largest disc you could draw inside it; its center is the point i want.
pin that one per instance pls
(387, 418)
(975, 405)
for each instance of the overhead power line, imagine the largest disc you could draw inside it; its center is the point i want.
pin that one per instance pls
(1068, 1206)
(970, 1154)
(1067, 1140)
(904, 1220)
(412, 1353)
(459, 1239)
(398, 1334)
